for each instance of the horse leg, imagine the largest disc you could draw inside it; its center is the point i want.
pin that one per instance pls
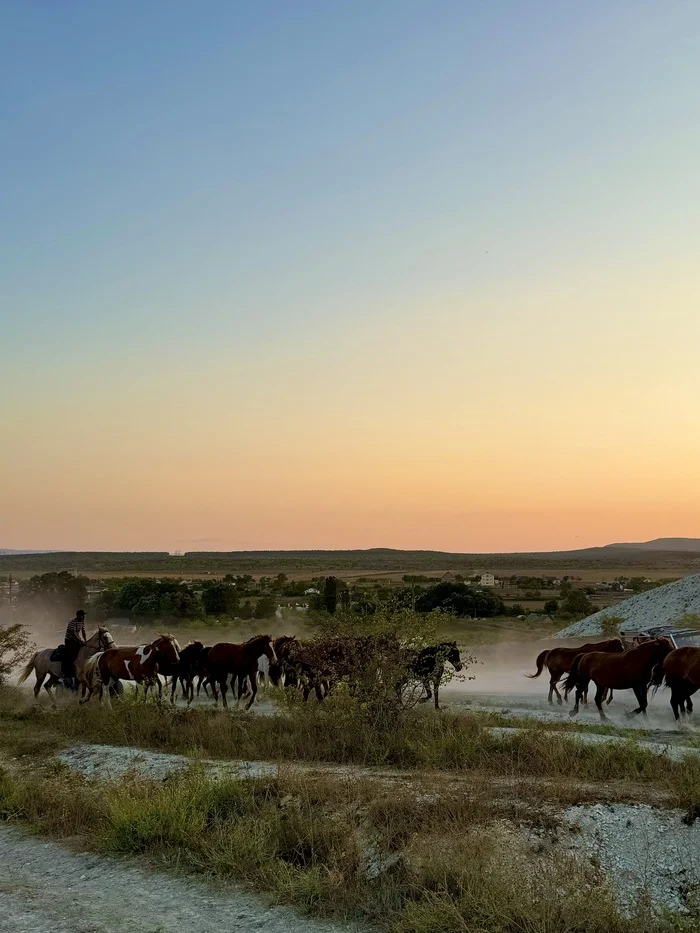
(47, 686)
(253, 691)
(223, 688)
(688, 705)
(173, 690)
(641, 695)
(437, 690)
(609, 699)
(553, 689)
(579, 695)
(37, 685)
(599, 697)
(104, 692)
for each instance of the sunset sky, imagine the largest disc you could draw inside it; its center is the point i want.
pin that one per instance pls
(356, 274)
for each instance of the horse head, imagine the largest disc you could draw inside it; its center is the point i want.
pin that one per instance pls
(104, 638)
(453, 655)
(269, 648)
(168, 648)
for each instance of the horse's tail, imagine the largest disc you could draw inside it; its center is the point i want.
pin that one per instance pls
(540, 663)
(28, 669)
(571, 679)
(657, 677)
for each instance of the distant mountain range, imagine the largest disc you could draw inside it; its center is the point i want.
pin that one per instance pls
(662, 544)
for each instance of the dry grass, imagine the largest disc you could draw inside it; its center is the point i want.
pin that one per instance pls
(454, 869)
(340, 732)
(461, 864)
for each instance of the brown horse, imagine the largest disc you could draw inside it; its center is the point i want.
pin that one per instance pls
(681, 670)
(139, 664)
(226, 660)
(559, 661)
(629, 671)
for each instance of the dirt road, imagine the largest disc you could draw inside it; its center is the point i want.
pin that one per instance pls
(47, 889)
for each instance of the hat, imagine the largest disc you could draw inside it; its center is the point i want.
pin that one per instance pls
(80, 612)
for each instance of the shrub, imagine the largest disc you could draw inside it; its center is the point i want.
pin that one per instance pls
(15, 647)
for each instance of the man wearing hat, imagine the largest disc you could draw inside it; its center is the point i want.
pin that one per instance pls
(74, 641)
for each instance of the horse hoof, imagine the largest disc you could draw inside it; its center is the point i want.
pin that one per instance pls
(573, 712)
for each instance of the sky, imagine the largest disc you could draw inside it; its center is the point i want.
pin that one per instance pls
(355, 274)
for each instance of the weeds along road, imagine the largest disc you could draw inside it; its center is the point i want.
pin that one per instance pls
(48, 889)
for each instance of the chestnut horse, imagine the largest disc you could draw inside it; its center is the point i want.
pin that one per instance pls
(559, 660)
(138, 664)
(629, 671)
(681, 671)
(226, 660)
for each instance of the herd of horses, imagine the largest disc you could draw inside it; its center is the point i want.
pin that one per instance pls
(617, 665)
(314, 666)
(317, 666)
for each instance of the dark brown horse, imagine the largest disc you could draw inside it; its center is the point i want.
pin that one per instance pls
(631, 670)
(139, 664)
(226, 660)
(190, 658)
(681, 672)
(559, 660)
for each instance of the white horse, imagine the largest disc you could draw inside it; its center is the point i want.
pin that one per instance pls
(44, 667)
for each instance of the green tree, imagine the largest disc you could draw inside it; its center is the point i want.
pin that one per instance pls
(220, 599)
(265, 607)
(551, 607)
(330, 594)
(577, 603)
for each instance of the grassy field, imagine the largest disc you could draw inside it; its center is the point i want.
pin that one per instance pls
(446, 806)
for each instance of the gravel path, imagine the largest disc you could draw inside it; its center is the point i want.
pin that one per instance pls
(47, 889)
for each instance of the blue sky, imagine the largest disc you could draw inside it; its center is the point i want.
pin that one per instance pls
(196, 194)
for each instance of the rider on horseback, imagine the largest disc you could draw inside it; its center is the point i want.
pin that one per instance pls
(74, 641)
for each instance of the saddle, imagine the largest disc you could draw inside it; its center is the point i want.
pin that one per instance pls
(57, 653)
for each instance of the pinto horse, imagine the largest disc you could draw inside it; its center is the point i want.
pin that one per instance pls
(558, 661)
(226, 660)
(681, 672)
(631, 670)
(139, 664)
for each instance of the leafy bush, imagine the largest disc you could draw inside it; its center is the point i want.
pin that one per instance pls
(15, 647)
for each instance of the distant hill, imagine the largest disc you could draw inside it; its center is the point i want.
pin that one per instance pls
(662, 544)
(663, 554)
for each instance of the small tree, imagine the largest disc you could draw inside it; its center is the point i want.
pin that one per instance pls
(15, 647)
(611, 625)
(551, 607)
(330, 594)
